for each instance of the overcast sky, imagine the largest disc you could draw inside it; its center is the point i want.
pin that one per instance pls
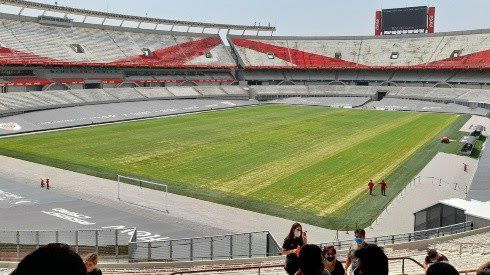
(295, 17)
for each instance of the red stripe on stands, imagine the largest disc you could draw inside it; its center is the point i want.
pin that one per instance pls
(479, 58)
(69, 81)
(305, 60)
(300, 59)
(28, 81)
(109, 80)
(176, 55)
(172, 57)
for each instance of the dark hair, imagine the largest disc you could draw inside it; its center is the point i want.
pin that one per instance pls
(329, 248)
(431, 253)
(441, 268)
(54, 258)
(290, 236)
(361, 232)
(372, 260)
(310, 260)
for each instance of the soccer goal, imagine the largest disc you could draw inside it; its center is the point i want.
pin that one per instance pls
(142, 193)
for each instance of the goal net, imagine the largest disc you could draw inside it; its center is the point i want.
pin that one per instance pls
(142, 193)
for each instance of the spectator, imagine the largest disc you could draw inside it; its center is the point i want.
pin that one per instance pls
(310, 261)
(352, 261)
(372, 260)
(484, 269)
(433, 257)
(441, 268)
(91, 263)
(333, 265)
(53, 259)
(291, 246)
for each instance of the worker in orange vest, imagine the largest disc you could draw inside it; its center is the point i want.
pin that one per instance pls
(371, 186)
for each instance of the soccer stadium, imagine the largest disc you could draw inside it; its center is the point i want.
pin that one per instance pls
(147, 145)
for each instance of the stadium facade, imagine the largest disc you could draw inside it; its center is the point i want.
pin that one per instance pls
(47, 53)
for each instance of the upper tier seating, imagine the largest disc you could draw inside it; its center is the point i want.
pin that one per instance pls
(29, 43)
(441, 51)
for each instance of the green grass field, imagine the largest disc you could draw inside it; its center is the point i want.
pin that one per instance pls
(309, 164)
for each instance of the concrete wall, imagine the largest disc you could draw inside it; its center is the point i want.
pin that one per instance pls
(479, 222)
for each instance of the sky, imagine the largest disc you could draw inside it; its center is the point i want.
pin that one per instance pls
(294, 17)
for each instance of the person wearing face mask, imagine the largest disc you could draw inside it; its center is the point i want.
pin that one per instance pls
(352, 261)
(331, 263)
(291, 246)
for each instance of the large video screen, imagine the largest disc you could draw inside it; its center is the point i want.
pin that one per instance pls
(414, 18)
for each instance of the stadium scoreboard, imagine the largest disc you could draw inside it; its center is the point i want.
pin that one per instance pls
(405, 20)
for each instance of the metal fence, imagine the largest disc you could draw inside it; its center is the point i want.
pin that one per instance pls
(245, 245)
(105, 242)
(408, 237)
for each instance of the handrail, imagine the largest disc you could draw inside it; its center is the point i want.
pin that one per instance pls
(259, 267)
(410, 236)
(207, 237)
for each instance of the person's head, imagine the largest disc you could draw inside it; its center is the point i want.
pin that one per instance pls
(432, 256)
(329, 253)
(441, 268)
(360, 236)
(55, 258)
(372, 260)
(310, 260)
(295, 232)
(484, 269)
(91, 261)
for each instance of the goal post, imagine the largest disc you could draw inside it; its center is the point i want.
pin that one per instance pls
(142, 193)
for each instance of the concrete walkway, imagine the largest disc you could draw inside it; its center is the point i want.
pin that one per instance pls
(103, 191)
(442, 178)
(477, 120)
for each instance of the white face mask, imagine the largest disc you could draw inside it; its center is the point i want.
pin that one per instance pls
(297, 234)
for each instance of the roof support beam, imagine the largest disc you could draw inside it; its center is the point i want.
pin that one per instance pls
(100, 14)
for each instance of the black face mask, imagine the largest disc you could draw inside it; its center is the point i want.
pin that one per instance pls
(330, 259)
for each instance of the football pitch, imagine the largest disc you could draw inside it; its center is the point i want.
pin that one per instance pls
(309, 164)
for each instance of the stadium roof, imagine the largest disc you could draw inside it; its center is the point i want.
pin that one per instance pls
(472, 207)
(138, 19)
(480, 186)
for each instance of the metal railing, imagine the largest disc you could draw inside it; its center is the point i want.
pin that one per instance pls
(105, 242)
(258, 268)
(407, 237)
(464, 247)
(244, 245)
(256, 244)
